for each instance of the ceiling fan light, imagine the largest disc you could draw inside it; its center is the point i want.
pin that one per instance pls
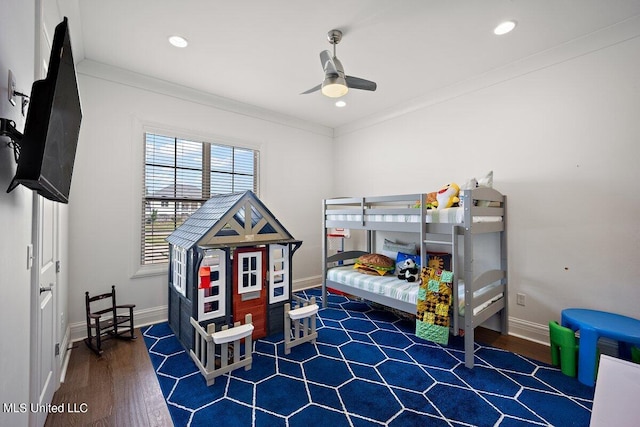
(504, 28)
(178, 41)
(334, 87)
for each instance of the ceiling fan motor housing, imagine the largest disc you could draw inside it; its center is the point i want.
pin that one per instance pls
(334, 36)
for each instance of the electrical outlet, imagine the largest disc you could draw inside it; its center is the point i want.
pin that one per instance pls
(11, 88)
(520, 299)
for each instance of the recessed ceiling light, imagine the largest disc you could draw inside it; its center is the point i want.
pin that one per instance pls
(504, 28)
(178, 41)
(340, 104)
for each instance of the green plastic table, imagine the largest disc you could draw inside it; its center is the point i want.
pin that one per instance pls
(592, 325)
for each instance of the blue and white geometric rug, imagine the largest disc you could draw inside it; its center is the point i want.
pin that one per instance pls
(367, 368)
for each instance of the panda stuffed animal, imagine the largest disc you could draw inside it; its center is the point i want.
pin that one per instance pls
(409, 271)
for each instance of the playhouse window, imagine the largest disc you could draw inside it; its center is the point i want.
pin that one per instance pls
(180, 270)
(278, 273)
(211, 285)
(179, 176)
(250, 266)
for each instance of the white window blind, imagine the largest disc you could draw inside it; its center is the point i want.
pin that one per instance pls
(179, 176)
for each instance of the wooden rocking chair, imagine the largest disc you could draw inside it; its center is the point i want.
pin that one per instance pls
(118, 325)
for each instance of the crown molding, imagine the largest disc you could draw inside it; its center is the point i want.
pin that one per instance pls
(618, 33)
(132, 79)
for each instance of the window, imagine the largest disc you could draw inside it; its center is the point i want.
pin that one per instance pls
(179, 176)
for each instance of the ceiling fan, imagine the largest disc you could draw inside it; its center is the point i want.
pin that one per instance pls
(336, 83)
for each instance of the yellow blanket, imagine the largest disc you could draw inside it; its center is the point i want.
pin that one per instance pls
(434, 304)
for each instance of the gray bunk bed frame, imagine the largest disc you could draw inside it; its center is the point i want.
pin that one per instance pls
(452, 234)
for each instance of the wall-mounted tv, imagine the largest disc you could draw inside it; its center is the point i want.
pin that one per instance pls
(50, 138)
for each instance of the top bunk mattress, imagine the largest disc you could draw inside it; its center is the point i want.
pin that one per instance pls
(453, 215)
(392, 287)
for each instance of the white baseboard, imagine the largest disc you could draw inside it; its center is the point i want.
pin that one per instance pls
(540, 334)
(141, 318)
(529, 330)
(306, 283)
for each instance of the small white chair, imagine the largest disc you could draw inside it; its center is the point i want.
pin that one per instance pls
(300, 323)
(217, 353)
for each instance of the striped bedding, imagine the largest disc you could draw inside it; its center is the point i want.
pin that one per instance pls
(436, 216)
(392, 287)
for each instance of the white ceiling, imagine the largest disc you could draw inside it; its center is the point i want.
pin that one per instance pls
(266, 52)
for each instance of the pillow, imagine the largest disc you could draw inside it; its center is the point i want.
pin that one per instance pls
(439, 260)
(402, 257)
(391, 248)
(375, 264)
(485, 181)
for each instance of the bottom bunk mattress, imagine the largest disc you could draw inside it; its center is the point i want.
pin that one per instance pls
(397, 289)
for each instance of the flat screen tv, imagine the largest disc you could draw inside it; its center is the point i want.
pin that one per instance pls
(50, 137)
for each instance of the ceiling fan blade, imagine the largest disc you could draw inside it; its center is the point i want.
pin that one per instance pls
(358, 83)
(313, 89)
(327, 62)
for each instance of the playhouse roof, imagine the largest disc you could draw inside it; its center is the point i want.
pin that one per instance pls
(220, 221)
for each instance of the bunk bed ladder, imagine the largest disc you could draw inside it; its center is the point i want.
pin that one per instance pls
(456, 230)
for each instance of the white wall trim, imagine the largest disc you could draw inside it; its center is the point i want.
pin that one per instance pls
(141, 318)
(129, 78)
(306, 283)
(598, 40)
(529, 331)
(540, 334)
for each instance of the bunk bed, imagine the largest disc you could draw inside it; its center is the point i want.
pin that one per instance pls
(477, 295)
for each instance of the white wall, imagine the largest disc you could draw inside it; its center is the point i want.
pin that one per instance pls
(17, 33)
(107, 183)
(562, 135)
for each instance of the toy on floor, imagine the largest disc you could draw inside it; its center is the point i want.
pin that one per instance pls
(409, 271)
(447, 196)
(564, 348)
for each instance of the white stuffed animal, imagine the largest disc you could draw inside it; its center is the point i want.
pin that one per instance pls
(447, 196)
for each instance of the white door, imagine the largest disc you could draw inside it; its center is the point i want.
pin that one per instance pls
(44, 375)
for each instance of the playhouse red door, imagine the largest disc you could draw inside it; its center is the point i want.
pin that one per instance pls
(249, 288)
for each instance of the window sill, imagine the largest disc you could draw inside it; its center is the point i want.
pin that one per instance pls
(151, 270)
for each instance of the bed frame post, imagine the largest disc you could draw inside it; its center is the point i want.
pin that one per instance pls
(324, 254)
(504, 316)
(455, 268)
(468, 283)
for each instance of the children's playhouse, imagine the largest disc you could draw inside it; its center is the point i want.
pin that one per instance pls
(231, 257)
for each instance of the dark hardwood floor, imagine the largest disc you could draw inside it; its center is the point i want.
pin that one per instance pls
(120, 388)
(526, 348)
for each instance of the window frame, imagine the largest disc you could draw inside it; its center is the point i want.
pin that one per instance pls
(146, 266)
